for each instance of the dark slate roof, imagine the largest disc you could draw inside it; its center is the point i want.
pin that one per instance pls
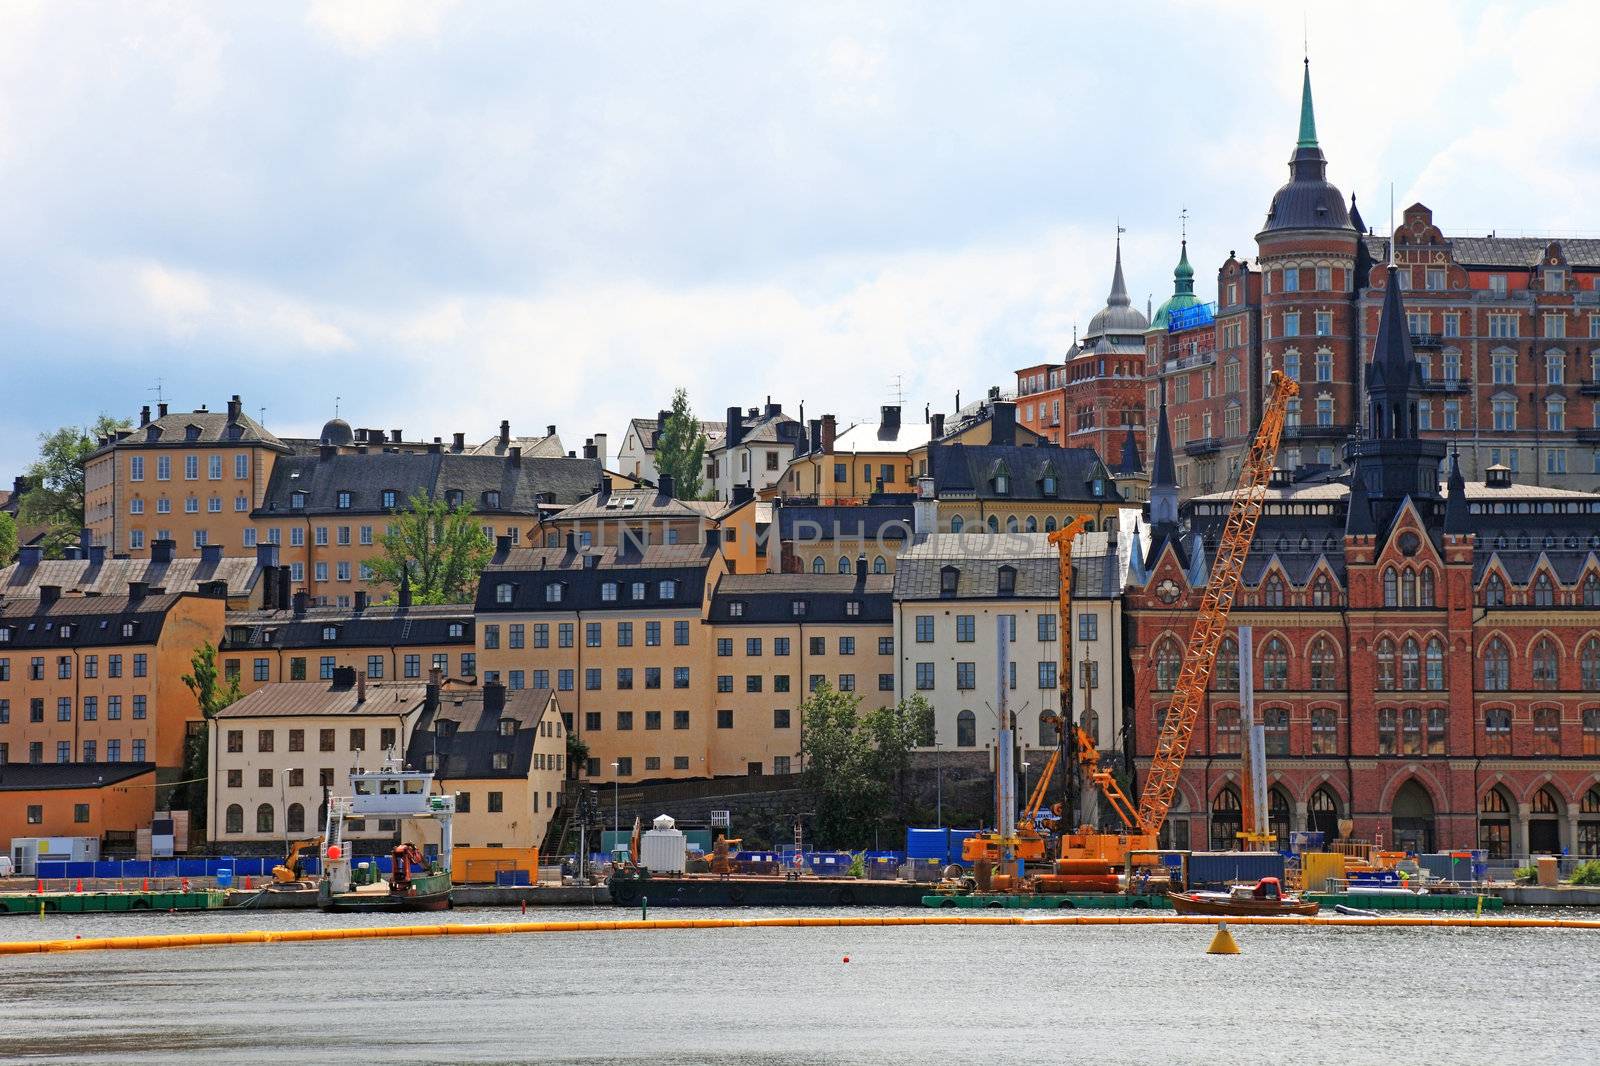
(584, 573)
(1522, 252)
(109, 576)
(1164, 474)
(214, 427)
(966, 471)
(768, 599)
(468, 752)
(96, 621)
(646, 429)
(385, 626)
(37, 777)
(638, 503)
(309, 699)
(1393, 366)
(977, 557)
(521, 485)
(819, 523)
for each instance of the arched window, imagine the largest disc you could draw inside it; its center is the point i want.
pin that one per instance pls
(1546, 804)
(1323, 675)
(1546, 671)
(1227, 731)
(1275, 665)
(294, 820)
(1591, 591)
(994, 523)
(1435, 664)
(844, 564)
(1497, 666)
(1546, 731)
(264, 818)
(1278, 815)
(1272, 592)
(1410, 665)
(1324, 732)
(1011, 524)
(1494, 824)
(1494, 592)
(1438, 723)
(1589, 825)
(1168, 660)
(1391, 587)
(1032, 524)
(1225, 678)
(233, 821)
(1049, 734)
(879, 565)
(1411, 731)
(1091, 725)
(1427, 587)
(819, 565)
(1275, 722)
(1323, 814)
(1321, 592)
(1497, 731)
(1408, 588)
(1386, 656)
(1049, 523)
(1591, 731)
(966, 730)
(1227, 820)
(1544, 591)
(956, 523)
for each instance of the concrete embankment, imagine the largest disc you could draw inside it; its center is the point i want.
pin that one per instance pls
(460, 895)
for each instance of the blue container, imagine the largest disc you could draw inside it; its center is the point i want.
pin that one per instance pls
(511, 878)
(1226, 867)
(928, 844)
(224, 878)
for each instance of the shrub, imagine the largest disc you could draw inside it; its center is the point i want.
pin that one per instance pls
(1587, 873)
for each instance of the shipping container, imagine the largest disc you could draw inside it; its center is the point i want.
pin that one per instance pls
(1208, 868)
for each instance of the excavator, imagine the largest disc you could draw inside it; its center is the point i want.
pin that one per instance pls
(289, 872)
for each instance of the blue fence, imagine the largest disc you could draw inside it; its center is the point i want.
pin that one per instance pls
(131, 869)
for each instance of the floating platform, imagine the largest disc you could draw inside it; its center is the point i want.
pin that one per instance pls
(208, 899)
(757, 890)
(1382, 901)
(1109, 901)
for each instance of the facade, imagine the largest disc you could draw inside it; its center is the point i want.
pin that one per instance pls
(1427, 664)
(503, 754)
(277, 754)
(753, 451)
(865, 460)
(637, 456)
(645, 515)
(76, 799)
(775, 638)
(98, 679)
(953, 592)
(616, 632)
(824, 538)
(1012, 488)
(397, 642)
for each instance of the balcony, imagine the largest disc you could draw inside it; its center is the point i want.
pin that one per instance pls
(1427, 340)
(1337, 431)
(1203, 446)
(1589, 388)
(1456, 385)
(1589, 435)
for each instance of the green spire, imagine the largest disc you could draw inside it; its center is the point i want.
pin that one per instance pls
(1183, 274)
(1308, 120)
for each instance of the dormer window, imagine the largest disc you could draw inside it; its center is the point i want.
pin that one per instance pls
(1047, 484)
(127, 629)
(668, 590)
(5, 634)
(508, 727)
(638, 590)
(391, 499)
(453, 497)
(445, 727)
(736, 609)
(297, 501)
(191, 433)
(65, 631)
(343, 501)
(1098, 487)
(502, 760)
(1006, 581)
(797, 608)
(852, 608)
(552, 592)
(457, 629)
(491, 500)
(1002, 484)
(503, 592)
(949, 577)
(330, 632)
(608, 591)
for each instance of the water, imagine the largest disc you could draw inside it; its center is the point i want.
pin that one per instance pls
(775, 997)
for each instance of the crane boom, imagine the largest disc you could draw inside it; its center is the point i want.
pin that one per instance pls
(1200, 657)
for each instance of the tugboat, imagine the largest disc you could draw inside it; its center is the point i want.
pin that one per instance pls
(1266, 897)
(391, 792)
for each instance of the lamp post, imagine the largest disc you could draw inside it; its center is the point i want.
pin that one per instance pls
(616, 803)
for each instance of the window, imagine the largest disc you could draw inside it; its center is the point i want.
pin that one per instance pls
(966, 730)
(1410, 665)
(1497, 731)
(1167, 660)
(1496, 666)
(1589, 665)
(1546, 671)
(1503, 366)
(924, 676)
(724, 719)
(1275, 664)
(966, 675)
(1546, 731)
(233, 819)
(924, 629)
(1591, 739)
(191, 467)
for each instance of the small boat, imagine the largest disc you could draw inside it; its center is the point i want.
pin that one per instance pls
(1354, 912)
(389, 792)
(1265, 897)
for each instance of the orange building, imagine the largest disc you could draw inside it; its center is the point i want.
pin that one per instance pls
(97, 679)
(76, 800)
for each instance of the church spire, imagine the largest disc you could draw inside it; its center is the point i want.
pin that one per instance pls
(1164, 481)
(1456, 518)
(1119, 288)
(1308, 118)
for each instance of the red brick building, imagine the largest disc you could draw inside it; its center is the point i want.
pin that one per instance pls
(1427, 664)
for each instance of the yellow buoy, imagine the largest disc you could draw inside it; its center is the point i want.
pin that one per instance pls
(1223, 943)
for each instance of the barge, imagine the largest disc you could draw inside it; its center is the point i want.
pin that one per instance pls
(630, 888)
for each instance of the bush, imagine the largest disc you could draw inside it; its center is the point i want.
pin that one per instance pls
(858, 864)
(1527, 873)
(1587, 873)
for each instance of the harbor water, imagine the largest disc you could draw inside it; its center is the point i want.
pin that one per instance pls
(776, 996)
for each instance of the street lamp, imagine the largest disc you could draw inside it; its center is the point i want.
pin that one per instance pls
(616, 802)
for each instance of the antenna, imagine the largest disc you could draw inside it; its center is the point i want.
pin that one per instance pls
(1391, 223)
(156, 388)
(1183, 223)
(336, 400)
(897, 390)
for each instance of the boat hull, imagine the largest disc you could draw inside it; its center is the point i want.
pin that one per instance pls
(425, 892)
(754, 891)
(1190, 903)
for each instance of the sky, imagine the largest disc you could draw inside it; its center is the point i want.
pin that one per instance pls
(445, 214)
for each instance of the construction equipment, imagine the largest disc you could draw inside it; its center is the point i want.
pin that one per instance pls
(289, 872)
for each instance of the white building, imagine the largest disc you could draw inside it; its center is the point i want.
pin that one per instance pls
(754, 449)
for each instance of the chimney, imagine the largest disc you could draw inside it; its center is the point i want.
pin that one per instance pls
(743, 494)
(735, 428)
(395, 436)
(85, 540)
(302, 599)
(550, 430)
(97, 554)
(266, 555)
(434, 448)
(235, 408)
(72, 553)
(861, 569)
(773, 410)
(494, 697)
(661, 427)
(210, 554)
(502, 547)
(572, 543)
(161, 410)
(830, 427)
(925, 510)
(938, 426)
(890, 418)
(283, 597)
(1003, 428)
(588, 448)
(30, 555)
(144, 415)
(326, 451)
(458, 442)
(137, 590)
(505, 433)
(435, 682)
(600, 448)
(664, 484)
(361, 686)
(361, 600)
(161, 551)
(404, 596)
(49, 594)
(516, 455)
(815, 428)
(344, 677)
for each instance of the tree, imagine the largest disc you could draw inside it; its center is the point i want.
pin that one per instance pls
(681, 451)
(55, 496)
(8, 539)
(441, 550)
(856, 763)
(211, 698)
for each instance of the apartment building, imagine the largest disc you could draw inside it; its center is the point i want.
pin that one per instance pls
(241, 579)
(278, 753)
(865, 460)
(754, 450)
(503, 754)
(616, 632)
(107, 801)
(97, 679)
(774, 639)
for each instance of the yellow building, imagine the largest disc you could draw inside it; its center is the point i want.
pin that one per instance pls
(504, 756)
(189, 477)
(866, 459)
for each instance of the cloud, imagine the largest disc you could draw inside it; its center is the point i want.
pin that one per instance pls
(363, 27)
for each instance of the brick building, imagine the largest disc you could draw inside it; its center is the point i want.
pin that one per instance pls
(1427, 664)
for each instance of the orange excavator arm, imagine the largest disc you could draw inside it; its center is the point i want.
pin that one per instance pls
(1089, 756)
(1200, 657)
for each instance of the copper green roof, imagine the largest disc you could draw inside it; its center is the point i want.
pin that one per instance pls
(1308, 120)
(1182, 290)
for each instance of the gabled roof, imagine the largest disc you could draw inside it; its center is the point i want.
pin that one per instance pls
(582, 576)
(873, 521)
(112, 576)
(367, 477)
(967, 470)
(877, 437)
(94, 621)
(1522, 252)
(211, 427)
(547, 446)
(467, 752)
(638, 503)
(1099, 566)
(309, 699)
(769, 598)
(645, 428)
(377, 626)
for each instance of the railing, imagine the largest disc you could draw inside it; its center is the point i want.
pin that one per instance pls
(1336, 431)
(1189, 361)
(1426, 340)
(1446, 384)
(1589, 435)
(1589, 388)
(1203, 446)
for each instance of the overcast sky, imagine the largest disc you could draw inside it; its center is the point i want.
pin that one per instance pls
(449, 214)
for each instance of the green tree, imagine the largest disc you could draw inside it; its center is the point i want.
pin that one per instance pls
(856, 763)
(8, 539)
(211, 694)
(681, 451)
(55, 496)
(439, 549)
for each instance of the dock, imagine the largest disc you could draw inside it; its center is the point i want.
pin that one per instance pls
(204, 899)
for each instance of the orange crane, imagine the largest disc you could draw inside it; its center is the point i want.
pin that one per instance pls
(1142, 827)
